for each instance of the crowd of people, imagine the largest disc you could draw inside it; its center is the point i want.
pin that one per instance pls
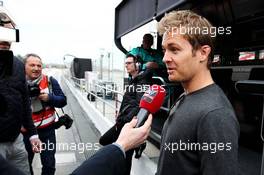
(202, 115)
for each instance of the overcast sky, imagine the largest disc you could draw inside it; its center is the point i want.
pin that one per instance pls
(53, 28)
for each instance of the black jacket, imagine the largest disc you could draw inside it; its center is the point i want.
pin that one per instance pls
(129, 106)
(15, 108)
(109, 160)
(134, 91)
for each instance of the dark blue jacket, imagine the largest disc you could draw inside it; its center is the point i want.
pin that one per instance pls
(15, 108)
(57, 98)
(109, 160)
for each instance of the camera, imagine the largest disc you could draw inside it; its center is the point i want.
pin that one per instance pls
(34, 90)
(7, 34)
(65, 120)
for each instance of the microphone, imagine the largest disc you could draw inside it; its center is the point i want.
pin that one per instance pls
(150, 102)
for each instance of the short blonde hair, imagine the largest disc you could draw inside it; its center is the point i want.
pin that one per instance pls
(192, 23)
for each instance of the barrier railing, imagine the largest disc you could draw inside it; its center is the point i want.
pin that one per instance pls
(99, 94)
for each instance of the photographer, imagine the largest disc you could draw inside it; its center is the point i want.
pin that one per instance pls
(43, 103)
(14, 103)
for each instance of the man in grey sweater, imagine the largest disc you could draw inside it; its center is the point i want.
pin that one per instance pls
(201, 133)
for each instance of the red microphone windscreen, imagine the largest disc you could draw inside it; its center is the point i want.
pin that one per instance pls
(153, 98)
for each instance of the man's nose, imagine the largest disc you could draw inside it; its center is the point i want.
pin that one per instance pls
(166, 57)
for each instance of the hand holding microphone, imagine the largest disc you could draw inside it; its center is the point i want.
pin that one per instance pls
(133, 133)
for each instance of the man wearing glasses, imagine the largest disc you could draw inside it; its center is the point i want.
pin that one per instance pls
(138, 81)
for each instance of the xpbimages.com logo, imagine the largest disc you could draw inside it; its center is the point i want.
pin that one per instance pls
(127, 88)
(190, 30)
(189, 146)
(79, 147)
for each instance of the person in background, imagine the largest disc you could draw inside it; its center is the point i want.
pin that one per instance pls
(151, 58)
(14, 106)
(46, 94)
(138, 81)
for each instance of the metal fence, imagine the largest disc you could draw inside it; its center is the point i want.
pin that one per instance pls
(98, 95)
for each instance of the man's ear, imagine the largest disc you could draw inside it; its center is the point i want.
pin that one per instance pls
(205, 51)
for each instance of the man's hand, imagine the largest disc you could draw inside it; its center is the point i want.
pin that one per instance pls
(36, 145)
(44, 97)
(152, 65)
(131, 137)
